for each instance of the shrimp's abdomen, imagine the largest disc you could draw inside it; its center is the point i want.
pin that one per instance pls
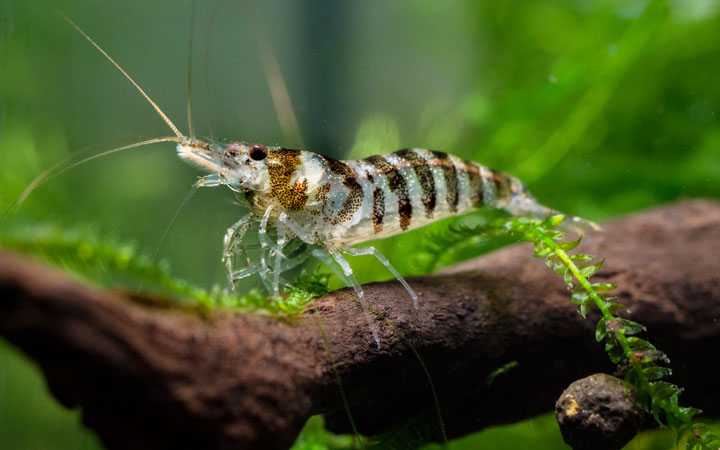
(395, 192)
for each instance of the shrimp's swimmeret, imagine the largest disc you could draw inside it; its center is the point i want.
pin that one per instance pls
(332, 204)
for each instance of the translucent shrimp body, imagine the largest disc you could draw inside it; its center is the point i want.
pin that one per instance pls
(336, 204)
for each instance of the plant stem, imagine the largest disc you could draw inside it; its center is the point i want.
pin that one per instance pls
(607, 315)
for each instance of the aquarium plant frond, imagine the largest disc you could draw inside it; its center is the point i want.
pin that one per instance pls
(102, 258)
(644, 366)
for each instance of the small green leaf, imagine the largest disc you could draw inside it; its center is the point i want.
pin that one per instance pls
(639, 344)
(589, 270)
(559, 267)
(552, 222)
(585, 306)
(568, 246)
(602, 288)
(550, 260)
(579, 294)
(568, 279)
(614, 350)
(539, 250)
(630, 327)
(601, 330)
(615, 308)
(653, 373)
(581, 257)
(655, 407)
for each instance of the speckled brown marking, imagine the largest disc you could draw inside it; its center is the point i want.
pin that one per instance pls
(451, 179)
(424, 176)
(321, 193)
(475, 184)
(281, 167)
(321, 196)
(355, 193)
(369, 176)
(378, 209)
(398, 186)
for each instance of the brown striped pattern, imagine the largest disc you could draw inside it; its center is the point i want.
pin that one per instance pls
(475, 183)
(378, 209)
(501, 183)
(398, 186)
(355, 193)
(424, 176)
(450, 176)
(292, 196)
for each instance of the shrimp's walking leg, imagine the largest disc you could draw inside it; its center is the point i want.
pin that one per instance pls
(231, 242)
(267, 246)
(291, 262)
(270, 249)
(340, 259)
(373, 251)
(324, 256)
(278, 253)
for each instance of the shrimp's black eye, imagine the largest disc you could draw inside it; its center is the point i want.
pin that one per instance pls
(258, 152)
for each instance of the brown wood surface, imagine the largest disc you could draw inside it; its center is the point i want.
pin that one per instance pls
(151, 376)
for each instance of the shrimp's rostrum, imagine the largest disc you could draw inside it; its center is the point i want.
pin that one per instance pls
(305, 204)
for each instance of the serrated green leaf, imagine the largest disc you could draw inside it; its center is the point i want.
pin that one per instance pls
(550, 260)
(674, 419)
(687, 413)
(615, 308)
(555, 235)
(655, 407)
(602, 288)
(601, 330)
(614, 350)
(588, 270)
(568, 246)
(559, 267)
(585, 306)
(630, 327)
(581, 257)
(665, 391)
(540, 250)
(639, 344)
(552, 222)
(579, 294)
(653, 373)
(568, 279)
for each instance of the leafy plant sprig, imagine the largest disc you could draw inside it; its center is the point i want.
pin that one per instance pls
(635, 355)
(96, 257)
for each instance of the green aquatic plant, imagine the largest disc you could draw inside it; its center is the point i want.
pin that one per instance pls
(643, 365)
(101, 258)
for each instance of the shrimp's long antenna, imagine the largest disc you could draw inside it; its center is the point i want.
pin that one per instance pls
(276, 83)
(191, 33)
(206, 85)
(49, 173)
(279, 92)
(137, 86)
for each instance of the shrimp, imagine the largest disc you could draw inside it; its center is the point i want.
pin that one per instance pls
(304, 204)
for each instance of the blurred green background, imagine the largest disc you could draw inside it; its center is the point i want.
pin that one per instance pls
(602, 107)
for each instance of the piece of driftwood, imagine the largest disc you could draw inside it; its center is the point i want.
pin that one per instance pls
(152, 376)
